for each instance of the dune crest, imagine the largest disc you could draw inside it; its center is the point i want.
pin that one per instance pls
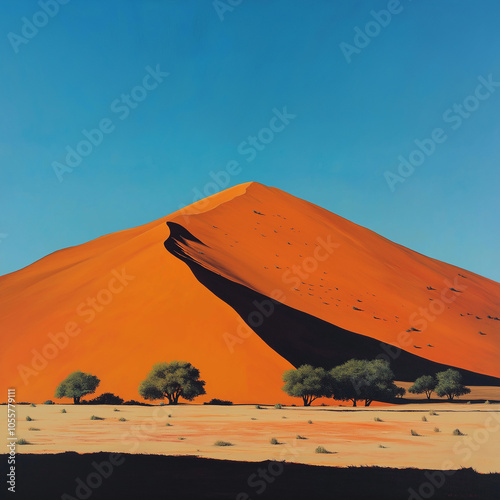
(118, 304)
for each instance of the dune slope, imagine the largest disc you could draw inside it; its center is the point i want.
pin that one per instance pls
(118, 304)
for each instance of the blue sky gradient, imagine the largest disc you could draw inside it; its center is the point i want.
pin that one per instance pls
(353, 119)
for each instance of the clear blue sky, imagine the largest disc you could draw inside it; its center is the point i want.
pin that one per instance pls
(226, 76)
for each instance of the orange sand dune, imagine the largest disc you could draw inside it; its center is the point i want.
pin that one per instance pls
(322, 264)
(118, 304)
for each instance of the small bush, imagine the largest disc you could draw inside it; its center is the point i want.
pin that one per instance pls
(433, 413)
(28, 418)
(436, 429)
(414, 433)
(424, 419)
(122, 419)
(298, 436)
(64, 410)
(107, 398)
(283, 416)
(486, 402)
(378, 419)
(93, 417)
(22, 441)
(168, 424)
(382, 446)
(49, 402)
(277, 406)
(468, 402)
(33, 429)
(222, 443)
(33, 405)
(321, 449)
(309, 421)
(219, 402)
(458, 432)
(162, 403)
(253, 418)
(274, 441)
(258, 407)
(181, 438)
(133, 402)
(169, 415)
(116, 409)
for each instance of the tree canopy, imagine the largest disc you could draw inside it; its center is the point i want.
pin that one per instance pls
(307, 382)
(172, 380)
(76, 385)
(425, 383)
(449, 384)
(358, 380)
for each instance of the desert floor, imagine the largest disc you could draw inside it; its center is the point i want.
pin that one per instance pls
(351, 435)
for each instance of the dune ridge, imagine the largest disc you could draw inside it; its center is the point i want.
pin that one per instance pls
(117, 304)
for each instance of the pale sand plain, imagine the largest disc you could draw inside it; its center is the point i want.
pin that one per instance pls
(352, 435)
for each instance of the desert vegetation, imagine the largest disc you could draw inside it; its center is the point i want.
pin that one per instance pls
(172, 380)
(447, 384)
(356, 380)
(76, 385)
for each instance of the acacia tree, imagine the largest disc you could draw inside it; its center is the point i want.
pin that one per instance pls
(400, 392)
(359, 379)
(449, 384)
(307, 382)
(425, 383)
(76, 385)
(172, 380)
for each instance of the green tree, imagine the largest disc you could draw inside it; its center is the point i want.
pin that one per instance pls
(76, 385)
(172, 380)
(425, 383)
(449, 384)
(359, 379)
(307, 382)
(400, 392)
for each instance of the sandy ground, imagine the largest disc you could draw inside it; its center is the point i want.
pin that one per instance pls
(352, 435)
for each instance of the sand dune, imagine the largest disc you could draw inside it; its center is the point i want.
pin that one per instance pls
(116, 305)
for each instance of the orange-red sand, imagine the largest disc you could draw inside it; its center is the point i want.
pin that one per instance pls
(118, 304)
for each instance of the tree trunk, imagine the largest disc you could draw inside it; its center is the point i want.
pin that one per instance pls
(368, 402)
(354, 402)
(76, 400)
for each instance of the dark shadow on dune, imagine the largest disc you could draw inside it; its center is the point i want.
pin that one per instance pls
(299, 337)
(70, 475)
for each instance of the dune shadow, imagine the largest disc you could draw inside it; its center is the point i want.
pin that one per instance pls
(300, 337)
